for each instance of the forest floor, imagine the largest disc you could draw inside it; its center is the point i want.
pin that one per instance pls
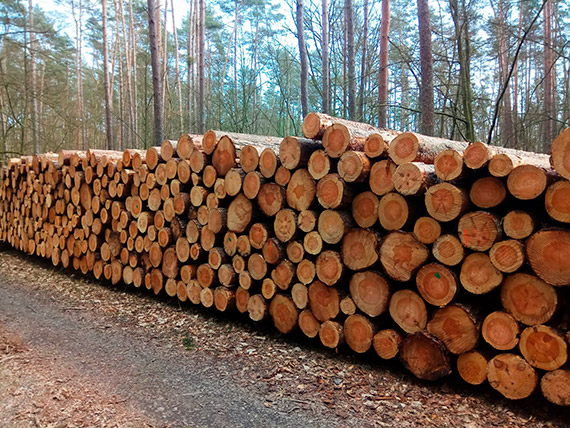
(76, 353)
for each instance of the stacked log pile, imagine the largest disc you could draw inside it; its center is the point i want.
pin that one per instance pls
(445, 254)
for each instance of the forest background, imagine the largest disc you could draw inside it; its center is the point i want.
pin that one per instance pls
(127, 73)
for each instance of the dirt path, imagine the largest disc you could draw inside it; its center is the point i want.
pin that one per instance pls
(76, 353)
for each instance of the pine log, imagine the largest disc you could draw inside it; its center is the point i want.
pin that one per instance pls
(313, 243)
(425, 356)
(224, 156)
(283, 274)
(365, 209)
(252, 183)
(543, 347)
(242, 298)
(472, 367)
(315, 125)
(446, 202)
(381, 177)
(282, 176)
(448, 165)
(243, 246)
(401, 255)
(560, 153)
(306, 271)
(478, 230)
(258, 235)
(239, 213)
(347, 306)
(507, 256)
(502, 164)
(233, 181)
(331, 334)
(556, 201)
(257, 309)
(354, 167)
(301, 190)
(455, 327)
(319, 164)
(528, 181)
(359, 333)
(323, 301)
(285, 225)
(478, 275)
(295, 251)
(427, 230)
(411, 147)
(333, 192)
(555, 387)
(487, 192)
(284, 313)
(512, 376)
(329, 267)
(414, 178)
(436, 284)
(300, 296)
(205, 276)
(478, 155)
(376, 144)
(307, 220)
(308, 324)
(370, 292)
(528, 299)
(212, 138)
(294, 152)
(518, 225)
(333, 225)
(408, 310)
(256, 266)
(387, 343)
(548, 252)
(359, 249)
(393, 211)
(268, 162)
(249, 158)
(500, 330)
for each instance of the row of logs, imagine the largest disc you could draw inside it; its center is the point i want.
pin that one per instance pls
(446, 254)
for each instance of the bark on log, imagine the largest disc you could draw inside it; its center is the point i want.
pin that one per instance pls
(425, 356)
(411, 147)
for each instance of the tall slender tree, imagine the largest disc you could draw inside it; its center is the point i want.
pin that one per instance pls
(201, 66)
(383, 69)
(108, 126)
(426, 58)
(33, 83)
(153, 15)
(326, 101)
(303, 57)
(363, 63)
(549, 114)
(177, 70)
(351, 62)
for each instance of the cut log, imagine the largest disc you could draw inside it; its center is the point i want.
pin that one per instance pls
(478, 230)
(359, 333)
(239, 213)
(518, 225)
(333, 225)
(365, 209)
(233, 181)
(224, 157)
(257, 266)
(500, 330)
(411, 147)
(284, 313)
(527, 182)
(502, 164)
(376, 145)
(319, 164)
(347, 306)
(339, 138)
(323, 301)
(387, 343)
(472, 367)
(308, 324)
(285, 225)
(257, 309)
(381, 177)
(557, 199)
(295, 251)
(446, 202)
(282, 176)
(205, 276)
(414, 178)
(401, 255)
(249, 158)
(306, 271)
(478, 275)
(300, 296)
(425, 356)
(436, 284)
(227, 276)
(258, 235)
(555, 387)
(543, 347)
(354, 167)
(548, 252)
(560, 153)
(268, 162)
(427, 230)
(242, 298)
(307, 220)
(487, 192)
(332, 192)
(393, 211)
(243, 246)
(224, 299)
(528, 299)
(186, 145)
(512, 376)
(359, 249)
(331, 334)
(408, 310)
(455, 327)
(507, 256)
(271, 198)
(329, 267)
(313, 243)
(315, 125)
(301, 190)
(283, 274)
(294, 152)
(370, 292)
(252, 184)
(448, 165)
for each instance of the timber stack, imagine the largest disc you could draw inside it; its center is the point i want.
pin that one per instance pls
(450, 256)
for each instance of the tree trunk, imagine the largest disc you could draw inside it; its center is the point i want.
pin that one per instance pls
(201, 66)
(33, 91)
(326, 104)
(177, 68)
(156, 71)
(303, 56)
(351, 63)
(549, 113)
(426, 103)
(363, 68)
(108, 127)
(383, 71)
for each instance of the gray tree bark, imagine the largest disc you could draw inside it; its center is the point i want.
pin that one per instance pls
(156, 72)
(383, 72)
(201, 67)
(303, 57)
(108, 126)
(351, 72)
(363, 64)
(326, 103)
(426, 57)
(33, 91)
